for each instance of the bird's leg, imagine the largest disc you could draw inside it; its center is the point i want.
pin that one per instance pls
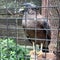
(33, 46)
(33, 51)
(41, 47)
(41, 50)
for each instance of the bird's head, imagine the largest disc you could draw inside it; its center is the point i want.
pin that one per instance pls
(27, 6)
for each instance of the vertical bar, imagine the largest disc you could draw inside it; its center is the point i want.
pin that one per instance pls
(35, 33)
(16, 26)
(46, 15)
(58, 49)
(26, 16)
(7, 24)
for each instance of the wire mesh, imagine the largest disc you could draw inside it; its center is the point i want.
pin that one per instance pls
(12, 14)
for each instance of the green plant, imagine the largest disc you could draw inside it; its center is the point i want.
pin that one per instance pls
(9, 50)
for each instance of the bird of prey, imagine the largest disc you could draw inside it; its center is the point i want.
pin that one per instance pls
(36, 26)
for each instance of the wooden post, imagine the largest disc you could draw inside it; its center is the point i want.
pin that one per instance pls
(44, 7)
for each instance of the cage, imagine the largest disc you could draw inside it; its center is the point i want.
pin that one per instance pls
(29, 29)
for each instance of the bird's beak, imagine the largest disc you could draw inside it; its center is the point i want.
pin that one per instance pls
(21, 9)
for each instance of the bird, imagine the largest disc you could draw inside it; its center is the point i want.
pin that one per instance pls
(36, 26)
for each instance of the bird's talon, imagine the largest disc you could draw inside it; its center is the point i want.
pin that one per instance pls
(40, 53)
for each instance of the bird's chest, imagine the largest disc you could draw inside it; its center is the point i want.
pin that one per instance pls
(36, 34)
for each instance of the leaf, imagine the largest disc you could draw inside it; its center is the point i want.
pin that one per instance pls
(9, 50)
